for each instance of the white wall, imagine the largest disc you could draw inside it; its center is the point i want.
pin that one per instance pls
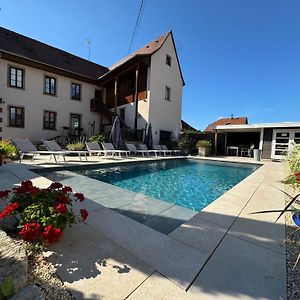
(35, 102)
(165, 115)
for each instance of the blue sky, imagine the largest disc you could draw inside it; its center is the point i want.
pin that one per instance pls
(238, 57)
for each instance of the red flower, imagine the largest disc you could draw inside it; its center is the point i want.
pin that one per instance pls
(55, 185)
(84, 214)
(62, 199)
(25, 187)
(66, 189)
(4, 194)
(297, 174)
(51, 234)
(79, 196)
(30, 231)
(8, 209)
(34, 190)
(60, 208)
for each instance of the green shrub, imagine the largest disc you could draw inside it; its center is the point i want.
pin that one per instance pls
(171, 145)
(8, 149)
(204, 144)
(76, 146)
(293, 159)
(99, 138)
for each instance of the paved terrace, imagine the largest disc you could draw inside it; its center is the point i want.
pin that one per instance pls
(223, 252)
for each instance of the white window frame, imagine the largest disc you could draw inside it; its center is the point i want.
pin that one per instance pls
(290, 143)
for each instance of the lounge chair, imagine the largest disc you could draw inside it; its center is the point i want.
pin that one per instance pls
(158, 148)
(175, 151)
(54, 147)
(27, 148)
(144, 147)
(94, 147)
(132, 148)
(109, 148)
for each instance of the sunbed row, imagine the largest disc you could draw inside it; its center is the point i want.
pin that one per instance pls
(26, 147)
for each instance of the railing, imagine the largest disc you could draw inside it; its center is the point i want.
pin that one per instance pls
(132, 135)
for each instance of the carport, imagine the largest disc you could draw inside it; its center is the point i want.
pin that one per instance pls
(273, 139)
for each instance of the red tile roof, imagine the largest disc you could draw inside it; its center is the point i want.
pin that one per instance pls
(226, 121)
(149, 49)
(25, 47)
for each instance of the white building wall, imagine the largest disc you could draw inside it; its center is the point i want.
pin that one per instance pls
(165, 115)
(35, 102)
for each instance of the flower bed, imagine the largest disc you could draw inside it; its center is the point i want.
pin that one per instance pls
(43, 213)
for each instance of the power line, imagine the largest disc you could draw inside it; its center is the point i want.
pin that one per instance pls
(137, 25)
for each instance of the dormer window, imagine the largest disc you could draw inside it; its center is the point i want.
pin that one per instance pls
(168, 60)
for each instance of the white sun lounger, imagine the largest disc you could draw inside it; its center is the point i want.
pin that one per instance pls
(94, 147)
(158, 148)
(132, 148)
(53, 147)
(109, 148)
(144, 147)
(175, 151)
(25, 147)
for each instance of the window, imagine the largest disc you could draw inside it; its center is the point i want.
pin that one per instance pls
(168, 93)
(75, 91)
(16, 116)
(168, 60)
(16, 77)
(50, 86)
(49, 120)
(98, 94)
(75, 124)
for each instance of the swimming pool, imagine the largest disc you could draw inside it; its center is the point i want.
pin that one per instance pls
(188, 183)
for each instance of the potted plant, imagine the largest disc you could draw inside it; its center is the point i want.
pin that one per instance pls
(204, 147)
(42, 213)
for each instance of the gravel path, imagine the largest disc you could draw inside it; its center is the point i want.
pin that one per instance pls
(42, 273)
(292, 252)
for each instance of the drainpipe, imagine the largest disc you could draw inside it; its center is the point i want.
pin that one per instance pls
(116, 94)
(136, 100)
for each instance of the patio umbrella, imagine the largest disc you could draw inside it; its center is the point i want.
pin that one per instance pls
(148, 136)
(115, 136)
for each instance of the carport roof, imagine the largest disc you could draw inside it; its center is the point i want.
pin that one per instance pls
(256, 127)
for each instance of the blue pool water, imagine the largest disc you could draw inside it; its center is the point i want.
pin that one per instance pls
(189, 183)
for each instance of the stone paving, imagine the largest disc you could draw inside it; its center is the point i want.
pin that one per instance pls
(223, 252)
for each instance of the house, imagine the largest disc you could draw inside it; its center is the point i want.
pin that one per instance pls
(273, 139)
(46, 92)
(226, 121)
(187, 127)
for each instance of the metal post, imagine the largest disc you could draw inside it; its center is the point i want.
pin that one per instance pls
(136, 99)
(116, 94)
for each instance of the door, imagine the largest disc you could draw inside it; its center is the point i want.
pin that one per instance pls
(75, 124)
(283, 141)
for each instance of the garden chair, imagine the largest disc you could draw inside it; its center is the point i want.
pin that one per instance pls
(165, 148)
(26, 147)
(53, 147)
(247, 151)
(109, 148)
(144, 147)
(158, 148)
(132, 148)
(94, 147)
